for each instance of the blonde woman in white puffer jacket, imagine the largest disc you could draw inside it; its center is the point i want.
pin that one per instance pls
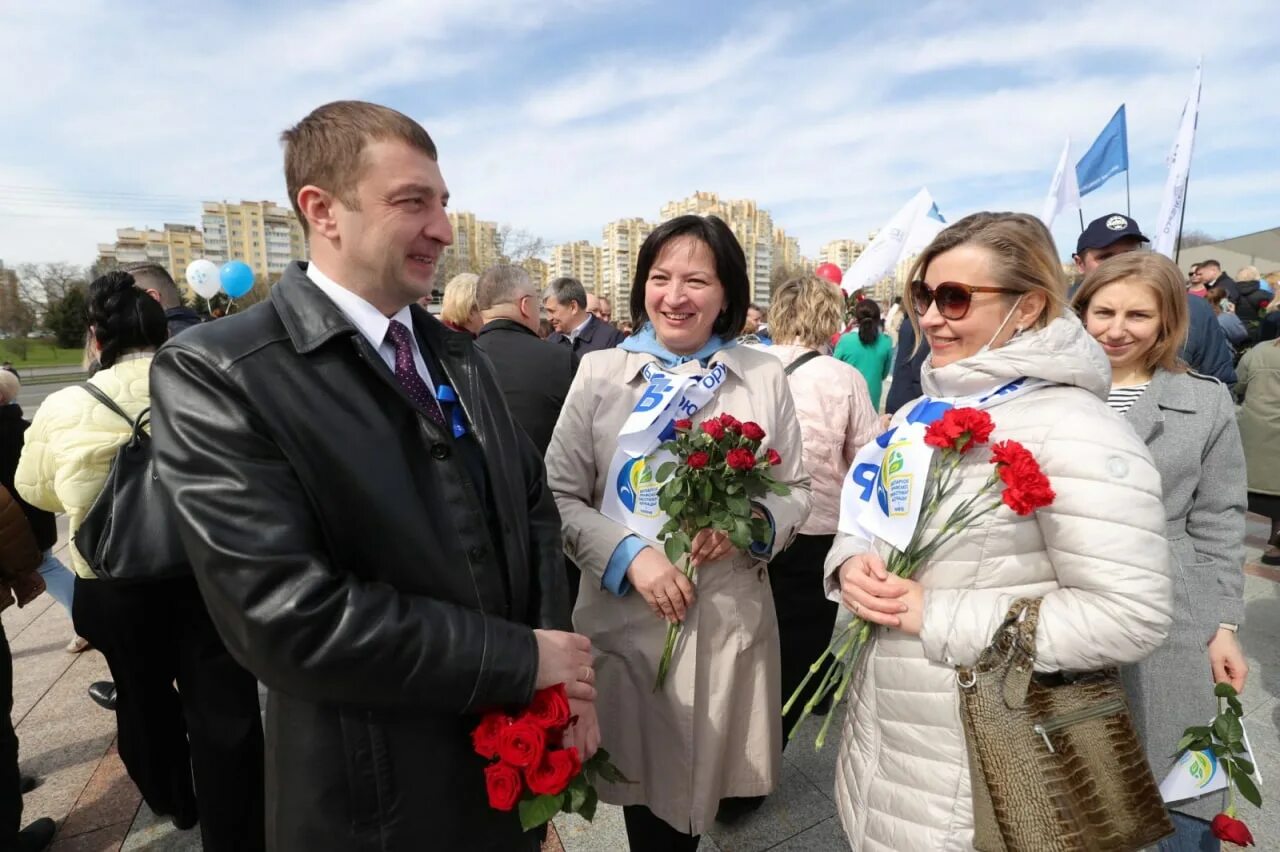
(988, 296)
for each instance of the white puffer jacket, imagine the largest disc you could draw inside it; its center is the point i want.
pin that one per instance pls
(1097, 555)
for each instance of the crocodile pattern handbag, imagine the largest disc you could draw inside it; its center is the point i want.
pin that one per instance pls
(1055, 763)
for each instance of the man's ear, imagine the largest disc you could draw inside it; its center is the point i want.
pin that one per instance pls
(155, 294)
(1079, 263)
(318, 208)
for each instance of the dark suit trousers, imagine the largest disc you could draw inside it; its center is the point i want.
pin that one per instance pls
(805, 617)
(10, 777)
(152, 635)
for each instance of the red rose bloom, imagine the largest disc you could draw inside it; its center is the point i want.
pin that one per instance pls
(698, 460)
(960, 429)
(553, 774)
(752, 431)
(713, 428)
(522, 743)
(1231, 830)
(504, 786)
(549, 709)
(773, 458)
(740, 459)
(1026, 488)
(683, 425)
(485, 737)
(731, 423)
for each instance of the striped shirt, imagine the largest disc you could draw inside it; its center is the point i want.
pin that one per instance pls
(1122, 399)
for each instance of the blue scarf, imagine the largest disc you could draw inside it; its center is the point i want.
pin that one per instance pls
(646, 341)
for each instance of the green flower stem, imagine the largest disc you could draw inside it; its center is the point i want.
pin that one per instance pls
(1231, 782)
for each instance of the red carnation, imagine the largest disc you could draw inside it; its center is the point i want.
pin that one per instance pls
(504, 786)
(713, 428)
(1231, 830)
(740, 459)
(553, 774)
(731, 423)
(752, 431)
(698, 460)
(683, 425)
(960, 429)
(522, 743)
(1026, 488)
(485, 737)
(773, 458)
(549, 709)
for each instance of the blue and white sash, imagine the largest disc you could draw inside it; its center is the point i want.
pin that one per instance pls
(631, 491)
(884, 490)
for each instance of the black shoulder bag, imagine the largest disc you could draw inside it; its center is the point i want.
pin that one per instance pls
(130, 532)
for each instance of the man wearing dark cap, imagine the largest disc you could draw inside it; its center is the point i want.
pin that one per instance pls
(1206, 350)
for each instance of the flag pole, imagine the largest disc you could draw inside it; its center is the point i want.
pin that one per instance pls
(1186, 188)
(1128, 207)
(1080, 210)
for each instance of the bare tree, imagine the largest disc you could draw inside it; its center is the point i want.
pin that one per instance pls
(1193, 238)
(516, 245)
(41, 285)
(782, 274)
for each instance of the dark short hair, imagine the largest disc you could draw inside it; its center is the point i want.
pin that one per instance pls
(731, 268)
(1211, 263)
(123, 318)
(153, 276)
(565, 290)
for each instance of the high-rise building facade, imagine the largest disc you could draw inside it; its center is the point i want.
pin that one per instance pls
(786, 253)
(622, 241)
(475, 244)
(174, 248)
(579, 260)
(752, 226)
(841, 252)
(537, 269)
(261, 233)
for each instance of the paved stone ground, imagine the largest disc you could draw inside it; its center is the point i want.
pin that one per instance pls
(69, 743)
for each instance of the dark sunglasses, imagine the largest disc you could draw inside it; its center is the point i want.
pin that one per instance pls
(952, 299)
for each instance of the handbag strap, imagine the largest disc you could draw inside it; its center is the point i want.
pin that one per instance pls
(1013, 649)
(801, 361)
(135, 426)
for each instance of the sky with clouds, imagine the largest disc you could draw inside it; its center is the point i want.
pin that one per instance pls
(560, 115)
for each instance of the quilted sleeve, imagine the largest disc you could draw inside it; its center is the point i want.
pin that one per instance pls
(1104, 535)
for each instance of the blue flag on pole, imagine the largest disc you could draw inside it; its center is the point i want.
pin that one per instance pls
(1107, 157)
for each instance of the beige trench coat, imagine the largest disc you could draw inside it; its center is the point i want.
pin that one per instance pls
(715, 729)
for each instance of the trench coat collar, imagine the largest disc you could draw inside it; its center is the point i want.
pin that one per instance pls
(731, 358)
(1165, 393)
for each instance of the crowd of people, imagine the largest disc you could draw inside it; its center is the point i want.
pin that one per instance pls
(396, 524)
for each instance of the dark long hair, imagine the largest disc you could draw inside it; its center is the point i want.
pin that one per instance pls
(123, 318)
(731, 268)
(867, 313)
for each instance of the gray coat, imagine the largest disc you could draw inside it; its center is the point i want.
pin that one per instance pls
(1188, 422)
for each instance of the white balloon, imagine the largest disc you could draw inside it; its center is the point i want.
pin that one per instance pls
(203, 277)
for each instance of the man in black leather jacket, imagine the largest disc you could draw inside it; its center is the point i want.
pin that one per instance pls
(384, 558)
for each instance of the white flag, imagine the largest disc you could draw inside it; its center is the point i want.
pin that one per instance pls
(907, 233)
(1064, 191)
(1169, 223)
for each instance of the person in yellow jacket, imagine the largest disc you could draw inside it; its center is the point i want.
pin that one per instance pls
(155, 633)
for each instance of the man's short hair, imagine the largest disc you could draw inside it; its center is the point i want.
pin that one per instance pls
(503, 284)
(153, 276)
(1213, 263)
(326, 149)
(566, 290)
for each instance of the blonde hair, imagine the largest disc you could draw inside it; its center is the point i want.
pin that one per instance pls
(459, 299)
(326, 149)
(1024, 259)
(9, 387)
(806, 311)
(1165, 280)
(1247, 273)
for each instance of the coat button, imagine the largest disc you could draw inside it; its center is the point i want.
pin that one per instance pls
(477, 554)
(439, 451)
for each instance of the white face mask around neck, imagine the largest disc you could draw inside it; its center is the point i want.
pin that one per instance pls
(1005, 322)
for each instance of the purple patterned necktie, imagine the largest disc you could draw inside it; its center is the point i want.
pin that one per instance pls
(407, 373)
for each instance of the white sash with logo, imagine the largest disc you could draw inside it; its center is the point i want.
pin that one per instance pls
(631, 490)
(884, 489)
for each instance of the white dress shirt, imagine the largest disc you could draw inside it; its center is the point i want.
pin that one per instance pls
(371, 322)
(582, 326)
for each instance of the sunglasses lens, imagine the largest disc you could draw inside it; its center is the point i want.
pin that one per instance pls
(953, 301)
(921, 297)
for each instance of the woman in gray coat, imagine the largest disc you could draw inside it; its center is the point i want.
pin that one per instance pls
(1134, 306)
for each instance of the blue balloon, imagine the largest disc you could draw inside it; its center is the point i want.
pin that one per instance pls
(237, 278)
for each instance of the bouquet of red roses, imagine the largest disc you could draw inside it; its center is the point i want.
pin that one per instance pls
(532, 768)
(954, 435)
(718, 471)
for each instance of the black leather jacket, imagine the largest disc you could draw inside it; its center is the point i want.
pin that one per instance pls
(351, 565)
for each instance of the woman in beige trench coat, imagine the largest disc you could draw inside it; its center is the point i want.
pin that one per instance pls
(713, 731)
